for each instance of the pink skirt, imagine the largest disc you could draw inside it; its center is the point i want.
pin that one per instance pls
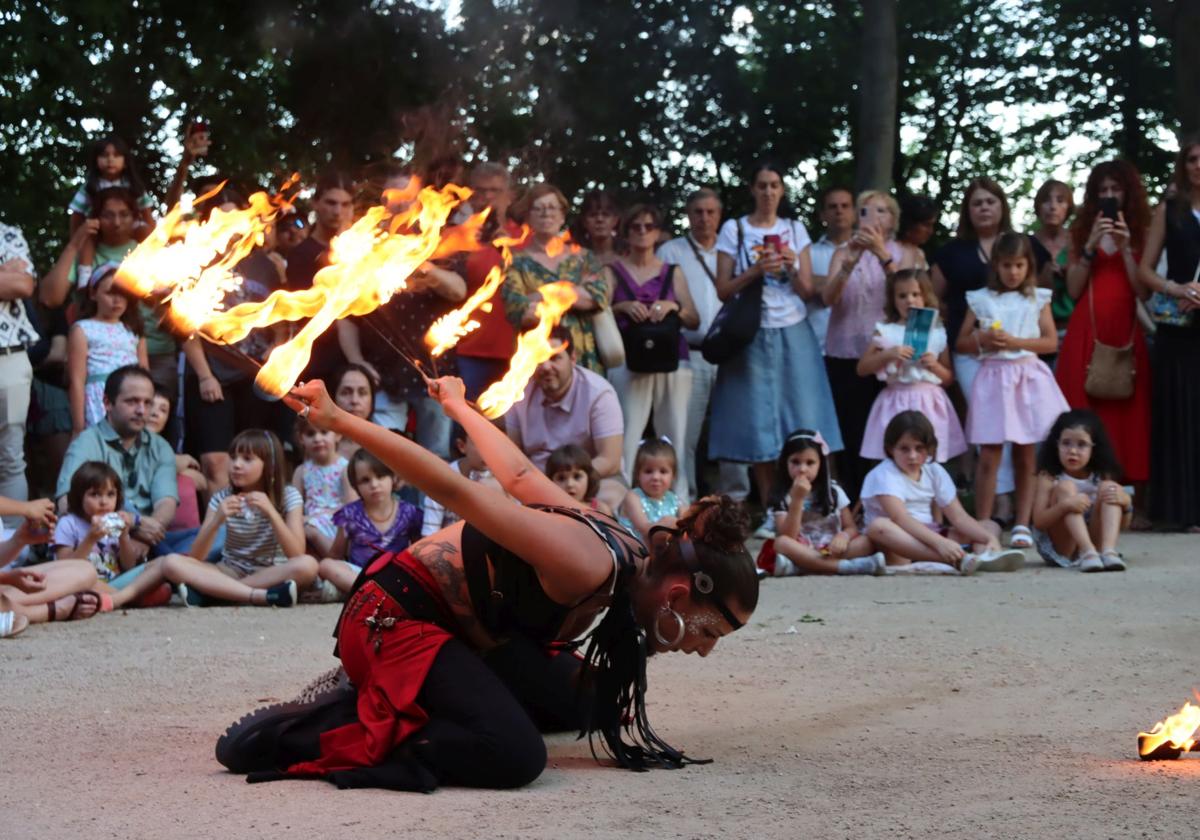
(1013, 401)
(925, 397)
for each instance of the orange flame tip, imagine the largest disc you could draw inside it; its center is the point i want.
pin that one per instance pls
(533, 348)
(1179, 730)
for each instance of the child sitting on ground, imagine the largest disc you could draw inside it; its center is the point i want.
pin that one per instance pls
(379, 521)
(899, 497)
(322, 481)
(263, 562)
(96, 528)
(1079, 509)
(570, 467)
(815, 528)
(652, 501)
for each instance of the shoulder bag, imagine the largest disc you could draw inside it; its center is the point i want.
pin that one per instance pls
(652, 346)
(737, 322)
(1111, 371)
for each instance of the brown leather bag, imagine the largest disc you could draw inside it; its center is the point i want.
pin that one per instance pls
(1111, 371)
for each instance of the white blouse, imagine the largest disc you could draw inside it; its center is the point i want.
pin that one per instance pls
(910, 372)
(1014, 312)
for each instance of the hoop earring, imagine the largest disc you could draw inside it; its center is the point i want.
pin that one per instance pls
(669, 643)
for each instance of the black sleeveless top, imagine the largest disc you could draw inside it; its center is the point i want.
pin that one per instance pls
(514, 603)
(1182, 241)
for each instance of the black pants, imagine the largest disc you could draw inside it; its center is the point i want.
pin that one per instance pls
(484, 722)
(853, 396)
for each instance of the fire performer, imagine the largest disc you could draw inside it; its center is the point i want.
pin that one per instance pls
(456, 646)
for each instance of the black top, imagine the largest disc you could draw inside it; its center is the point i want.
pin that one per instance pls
(303, 262)
(513, 602)
(1182, 242)
(965, 269)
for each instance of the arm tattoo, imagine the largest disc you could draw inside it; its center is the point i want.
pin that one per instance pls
(438, 557)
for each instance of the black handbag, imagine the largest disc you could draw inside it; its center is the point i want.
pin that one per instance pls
(736, 323)
(651, 347)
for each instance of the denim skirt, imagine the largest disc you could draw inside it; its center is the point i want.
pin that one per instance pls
(776, 385)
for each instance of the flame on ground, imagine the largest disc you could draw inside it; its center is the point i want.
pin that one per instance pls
(1179, 730)
(533, 348)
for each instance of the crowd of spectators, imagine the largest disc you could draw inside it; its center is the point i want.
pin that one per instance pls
(221, 496)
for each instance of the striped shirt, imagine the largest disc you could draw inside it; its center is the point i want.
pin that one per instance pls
(250, 541)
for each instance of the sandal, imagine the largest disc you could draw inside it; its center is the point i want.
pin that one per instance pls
(1021, 537)
(101, 600)
(12, 624)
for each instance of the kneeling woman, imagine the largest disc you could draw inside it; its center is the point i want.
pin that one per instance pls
(451, 644)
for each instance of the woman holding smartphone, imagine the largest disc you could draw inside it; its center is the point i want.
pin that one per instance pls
(777, 383)
(854, 293)
(1102, 278)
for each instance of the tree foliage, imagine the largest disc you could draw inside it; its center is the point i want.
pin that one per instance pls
(649, 98)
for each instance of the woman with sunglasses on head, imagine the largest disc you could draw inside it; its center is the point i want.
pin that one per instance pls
(651, 302)
(454, 646)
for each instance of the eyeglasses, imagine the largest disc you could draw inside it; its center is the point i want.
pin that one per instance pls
(544, 209)
(642, 227)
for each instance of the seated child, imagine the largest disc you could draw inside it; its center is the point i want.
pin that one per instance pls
(652, 501)
(815, 528)
(322, 481)
(377, 522)
(899, 497)
(570, 467)
(1079, 509)
(263, 561)
(96, 529)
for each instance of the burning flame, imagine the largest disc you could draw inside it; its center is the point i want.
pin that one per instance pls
(556, 245)
(447, 330)
(533, 348)
(190, 264)
(368, 263)
(1179, 729)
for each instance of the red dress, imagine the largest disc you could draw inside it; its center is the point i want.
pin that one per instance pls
(1126, 421)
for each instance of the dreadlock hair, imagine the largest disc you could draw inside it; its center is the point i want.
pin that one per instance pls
(1103, 461)
(708, 548)
(822, 499)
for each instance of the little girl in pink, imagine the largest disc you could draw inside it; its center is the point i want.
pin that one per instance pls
(913, 384)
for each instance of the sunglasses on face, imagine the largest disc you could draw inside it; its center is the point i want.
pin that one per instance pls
(642, 227)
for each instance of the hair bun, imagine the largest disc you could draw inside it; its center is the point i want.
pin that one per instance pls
(718, 521)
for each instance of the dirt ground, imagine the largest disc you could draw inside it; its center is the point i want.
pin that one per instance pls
(995, 706)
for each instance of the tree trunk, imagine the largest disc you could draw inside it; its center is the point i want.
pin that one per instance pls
(876, 139)
(1185, 37)
(1130, 61)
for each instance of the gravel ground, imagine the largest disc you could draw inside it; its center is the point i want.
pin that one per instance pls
(995, 706)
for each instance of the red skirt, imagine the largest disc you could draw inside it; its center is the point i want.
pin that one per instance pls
(387, 665)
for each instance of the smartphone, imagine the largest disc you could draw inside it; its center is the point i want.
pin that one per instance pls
(1108, 207)
(773, 241)
(862, 213)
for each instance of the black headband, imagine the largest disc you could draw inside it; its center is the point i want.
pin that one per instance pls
(702, 581)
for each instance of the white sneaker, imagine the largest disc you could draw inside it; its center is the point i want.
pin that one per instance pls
(873, 564)
(1005, 560)
(767, 529)
(1091, 562)
(1112, 561)
(784, 567)
(969, 564)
